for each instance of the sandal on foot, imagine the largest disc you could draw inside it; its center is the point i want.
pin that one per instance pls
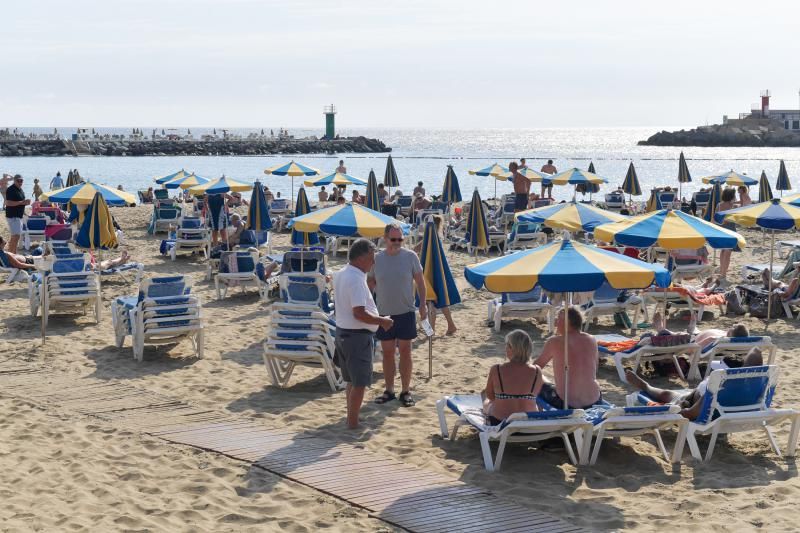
(406, 399)
(385, 397)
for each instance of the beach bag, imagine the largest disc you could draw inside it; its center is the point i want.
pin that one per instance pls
(733, 303)
(758, 306)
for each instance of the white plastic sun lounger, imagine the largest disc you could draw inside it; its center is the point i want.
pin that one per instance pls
(737, 400)
(519, 427)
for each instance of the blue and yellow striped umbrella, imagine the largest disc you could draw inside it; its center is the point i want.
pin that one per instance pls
(764, 190)
(631, 184)
(390, 178)
(783, 183)
(372, 200)
(97, 230)
(302, 207)
(575, 176)
(498, 172)
(169, 177)
(731, 178)
(668, 229)
(713, 201)
(774, 215)
(477, 228)
(571, 216)
(84, 193)
(439, 283)
(186, 181)
(258, 211)
(337, 178)
(451, 192)
(221, 185)
(346, 220)
(292, 169)
(565, 266)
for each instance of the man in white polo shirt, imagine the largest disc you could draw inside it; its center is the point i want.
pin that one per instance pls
(357, 319)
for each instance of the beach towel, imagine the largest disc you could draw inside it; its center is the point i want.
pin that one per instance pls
(618, 346)
(717, 298)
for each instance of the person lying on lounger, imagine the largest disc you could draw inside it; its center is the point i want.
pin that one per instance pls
(786, 290)
(690, 401)
(512, 386)
(22, 262)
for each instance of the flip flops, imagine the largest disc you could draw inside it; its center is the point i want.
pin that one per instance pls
(385, 397)
(406, 399)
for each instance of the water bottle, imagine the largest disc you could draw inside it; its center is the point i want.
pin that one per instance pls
(426, 327)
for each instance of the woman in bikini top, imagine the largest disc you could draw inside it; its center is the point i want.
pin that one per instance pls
(523, 380)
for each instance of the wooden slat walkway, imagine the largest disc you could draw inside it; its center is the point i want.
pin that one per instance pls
(400, 494)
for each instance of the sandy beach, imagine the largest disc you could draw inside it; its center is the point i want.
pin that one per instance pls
(65, 471)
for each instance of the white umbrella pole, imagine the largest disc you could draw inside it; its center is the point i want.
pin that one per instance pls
(771, 273)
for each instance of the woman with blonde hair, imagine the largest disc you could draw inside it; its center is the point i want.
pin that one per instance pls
(512, 386)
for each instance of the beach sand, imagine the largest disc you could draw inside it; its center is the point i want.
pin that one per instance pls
(66, 471)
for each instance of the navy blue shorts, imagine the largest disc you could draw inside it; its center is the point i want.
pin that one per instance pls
(520, 202)
(404, 328)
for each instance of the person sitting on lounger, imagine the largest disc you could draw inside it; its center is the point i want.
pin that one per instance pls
(22, 262)
(512, 386)
(111, 263)
(584, 390)
(691, 401)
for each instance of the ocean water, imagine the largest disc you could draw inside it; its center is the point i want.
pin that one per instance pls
(423, 155)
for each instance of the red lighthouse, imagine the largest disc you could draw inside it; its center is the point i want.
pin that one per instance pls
(765, 104)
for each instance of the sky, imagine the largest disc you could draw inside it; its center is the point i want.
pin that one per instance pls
(410, 63)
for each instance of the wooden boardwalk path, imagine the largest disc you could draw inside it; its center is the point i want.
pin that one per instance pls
(400, 494)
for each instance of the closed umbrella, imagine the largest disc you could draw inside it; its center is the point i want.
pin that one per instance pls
(97, 230)
(372, 200)
(764, 190)
(783, 183)
(684, 176)
(390, 178)
(84, 193)
(631, 184)
(591, 167)
(772, 215)
(570, 216)
(292, 170)
(713, 201)
(302, 207)
(565, 267)
(347, 220)
(258, 218)
(73, 178)
(451, 192)
(477, 228)
(439, 283)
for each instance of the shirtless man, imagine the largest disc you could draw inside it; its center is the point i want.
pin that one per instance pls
(522, 187)
(692, 401)
(549, 168)
(21, 262)
(584, 390)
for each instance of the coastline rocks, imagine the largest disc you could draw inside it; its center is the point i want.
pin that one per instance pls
(156, 147)
(736, 132)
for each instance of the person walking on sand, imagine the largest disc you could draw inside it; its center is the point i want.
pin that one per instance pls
(393, 277)
(37, 190)
(357, 319)
(341, 169)
(549, 168)
(728, 197)
(522, 187)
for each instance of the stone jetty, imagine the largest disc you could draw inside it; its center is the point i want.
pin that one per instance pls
(735, 132)
(102, 146)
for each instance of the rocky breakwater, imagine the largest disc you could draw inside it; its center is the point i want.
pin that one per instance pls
(183, 147)
(737, 132)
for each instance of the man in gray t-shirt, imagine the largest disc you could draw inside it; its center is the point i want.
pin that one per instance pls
(393, 276)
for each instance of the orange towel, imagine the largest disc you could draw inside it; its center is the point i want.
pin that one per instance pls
(618, 346)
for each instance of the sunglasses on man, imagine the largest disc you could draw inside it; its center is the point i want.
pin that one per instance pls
(396, 239)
